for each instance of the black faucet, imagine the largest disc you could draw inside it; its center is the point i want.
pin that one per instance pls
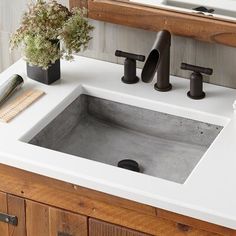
(130, 66)
(196, 80)
(159, 61)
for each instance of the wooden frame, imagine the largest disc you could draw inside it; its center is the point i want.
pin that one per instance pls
(154, 19)
(91, 203)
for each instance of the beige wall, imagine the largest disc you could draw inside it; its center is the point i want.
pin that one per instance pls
(109, 37)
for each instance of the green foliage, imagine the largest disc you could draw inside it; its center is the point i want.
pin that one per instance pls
(76, 27)
(44, 25)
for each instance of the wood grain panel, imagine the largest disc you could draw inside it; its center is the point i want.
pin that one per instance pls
(43, 220)
(29, 184)
(100, 228)
(67, 223)
(80, 200)
(184, 220)
(154, 19)
(37, 219)
(78, 3)
(16, 207)
(3, 209)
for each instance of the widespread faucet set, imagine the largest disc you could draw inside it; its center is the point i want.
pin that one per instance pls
(158, 62)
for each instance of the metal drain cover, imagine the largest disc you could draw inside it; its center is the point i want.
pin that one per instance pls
(129, 165)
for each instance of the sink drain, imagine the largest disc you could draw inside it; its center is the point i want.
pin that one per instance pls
(129, 165)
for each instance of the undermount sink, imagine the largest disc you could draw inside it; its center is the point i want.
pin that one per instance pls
(163, 145)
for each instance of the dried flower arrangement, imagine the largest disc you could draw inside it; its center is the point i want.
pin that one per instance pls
(47, 24)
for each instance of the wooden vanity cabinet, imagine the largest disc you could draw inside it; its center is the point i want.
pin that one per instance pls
(37, 219)
(49, 207)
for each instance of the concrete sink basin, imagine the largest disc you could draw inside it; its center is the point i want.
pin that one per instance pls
(163, 145)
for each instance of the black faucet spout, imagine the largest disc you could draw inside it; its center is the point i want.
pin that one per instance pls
(159, 61)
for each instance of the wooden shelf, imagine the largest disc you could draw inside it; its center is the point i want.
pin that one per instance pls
(154, 19)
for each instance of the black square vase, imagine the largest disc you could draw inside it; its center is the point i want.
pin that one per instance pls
(48, 76)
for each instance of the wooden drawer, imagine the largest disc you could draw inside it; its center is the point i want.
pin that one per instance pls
(43, 220)
(100, 228)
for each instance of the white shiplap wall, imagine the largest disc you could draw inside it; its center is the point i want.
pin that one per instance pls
(10, 15)
(108, 37)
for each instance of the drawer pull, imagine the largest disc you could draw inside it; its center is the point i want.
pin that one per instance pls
(12, 220)
(182, 227)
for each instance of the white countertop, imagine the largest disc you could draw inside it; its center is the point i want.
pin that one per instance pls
(208, 194)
